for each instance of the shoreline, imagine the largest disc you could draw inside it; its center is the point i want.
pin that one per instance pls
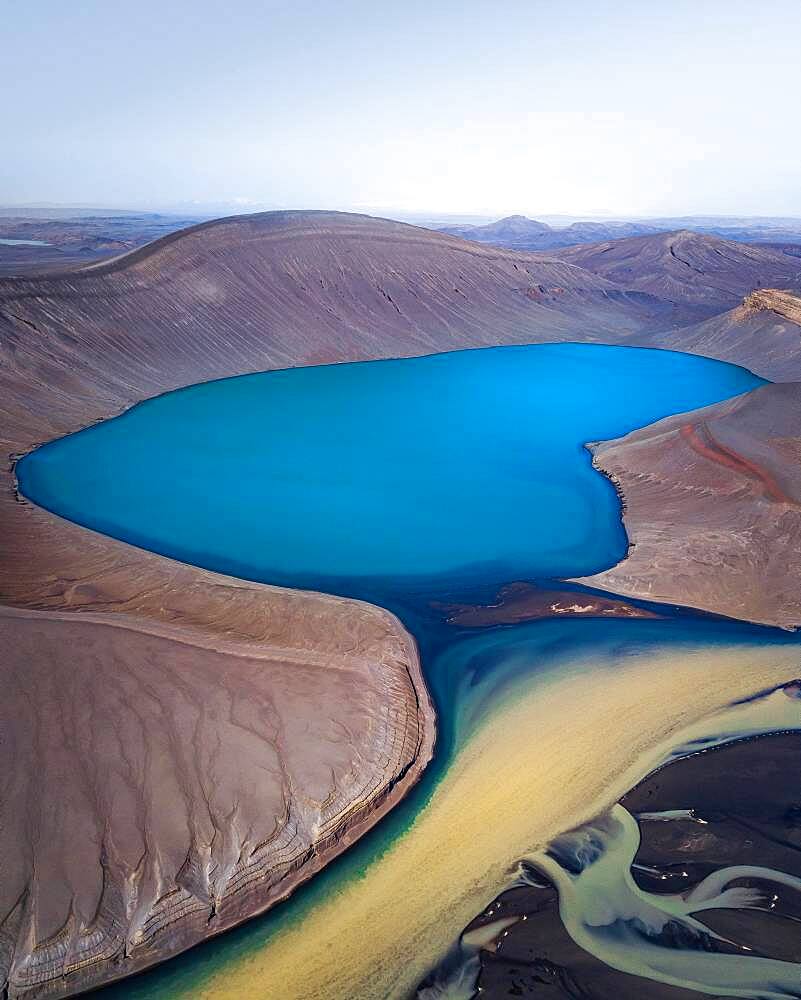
(197, 610)
(348, 826)
(491, 808)
(88, 347)
(74, 582)
(711, 505)
(193, 600)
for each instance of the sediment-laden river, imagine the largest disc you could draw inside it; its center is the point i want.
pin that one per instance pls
(413, 483)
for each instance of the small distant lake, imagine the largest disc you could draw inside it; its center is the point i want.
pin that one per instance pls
(470, 462)
(24, 243)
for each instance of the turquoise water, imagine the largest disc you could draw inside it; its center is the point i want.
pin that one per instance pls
(421, 467)
(361, 478)
(470, 673)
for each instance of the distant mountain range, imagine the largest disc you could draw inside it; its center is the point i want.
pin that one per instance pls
(401, 290)
(57, 237)
(516, 232)
(52, 239)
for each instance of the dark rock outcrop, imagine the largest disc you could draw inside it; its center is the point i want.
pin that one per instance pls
(763, 334)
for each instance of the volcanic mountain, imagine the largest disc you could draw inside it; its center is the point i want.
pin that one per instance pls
(514, 232)
(105, 878)
(520, 233)
(179, 749)
(297, 288)
(294, 288)
(687, 267)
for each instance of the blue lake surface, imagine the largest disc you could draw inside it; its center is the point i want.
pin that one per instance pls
(424, 467)
(358, 478)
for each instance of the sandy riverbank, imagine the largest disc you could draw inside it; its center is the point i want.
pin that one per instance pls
(557, 751)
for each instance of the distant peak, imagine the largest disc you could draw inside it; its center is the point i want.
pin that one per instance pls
(518, 223)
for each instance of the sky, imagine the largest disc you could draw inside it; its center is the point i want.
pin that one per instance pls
(655, 107)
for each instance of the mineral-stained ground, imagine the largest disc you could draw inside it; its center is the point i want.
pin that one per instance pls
(179, 749)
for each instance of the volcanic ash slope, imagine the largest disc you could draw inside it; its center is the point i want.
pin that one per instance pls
(713, 508)
(178, 749)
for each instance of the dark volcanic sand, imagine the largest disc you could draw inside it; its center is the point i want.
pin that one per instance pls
(749, 795)
(522, 602)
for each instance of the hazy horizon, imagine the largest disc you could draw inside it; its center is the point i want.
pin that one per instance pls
(590, 110)
(199, 210)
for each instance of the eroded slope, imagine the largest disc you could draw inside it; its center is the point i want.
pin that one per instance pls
(689, 268)
(179, 749)
(763, 333)
(157, 788)
(105, 633)
(712, 506)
